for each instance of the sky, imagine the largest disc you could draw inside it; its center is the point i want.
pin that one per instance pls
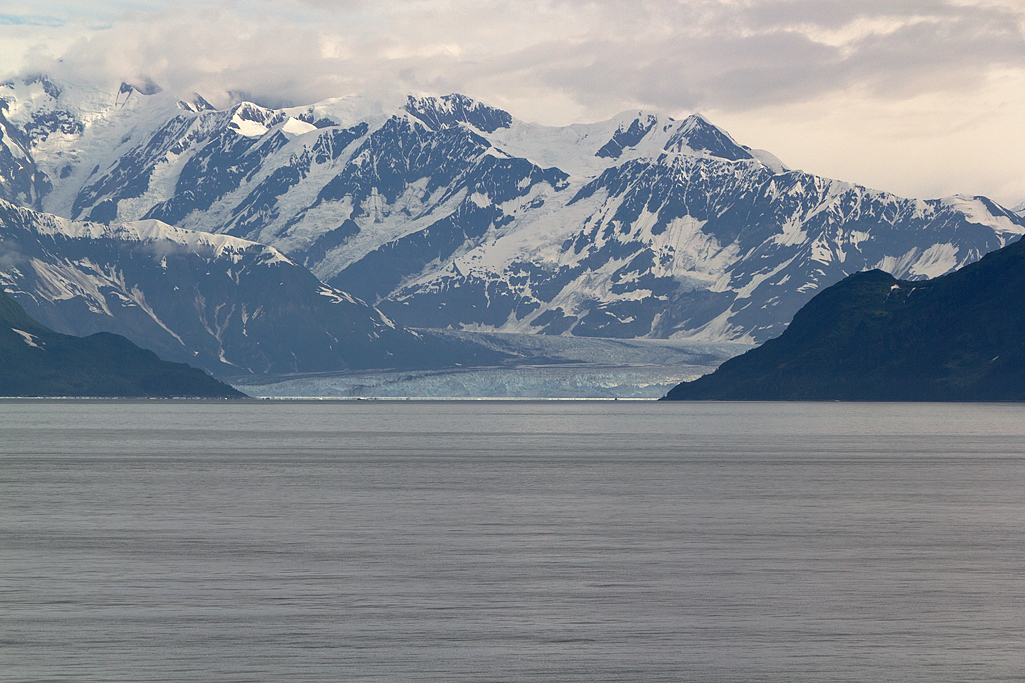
(924, 98)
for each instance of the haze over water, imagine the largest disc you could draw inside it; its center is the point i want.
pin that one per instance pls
(511, 541)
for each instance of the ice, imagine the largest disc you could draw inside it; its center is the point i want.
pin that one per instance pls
(977, 212)
(935, 261)
(548, 367)
(30, 339)
(294, 126)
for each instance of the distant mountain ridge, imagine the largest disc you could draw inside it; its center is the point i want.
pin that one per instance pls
(958, 337)
(445, 212)
(36, 361)
(223, 303)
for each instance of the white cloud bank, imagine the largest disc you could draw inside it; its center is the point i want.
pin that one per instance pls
(920, 97)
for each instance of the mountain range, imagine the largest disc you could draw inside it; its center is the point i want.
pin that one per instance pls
(958, 337)
(428, 212)
(218, 302)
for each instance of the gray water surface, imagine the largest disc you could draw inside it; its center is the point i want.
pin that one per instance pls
(511, 541)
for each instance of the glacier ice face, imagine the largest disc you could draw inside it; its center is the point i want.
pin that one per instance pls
(544, 382)
(539, 366)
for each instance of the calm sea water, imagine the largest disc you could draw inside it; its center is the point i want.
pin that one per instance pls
(507, 541)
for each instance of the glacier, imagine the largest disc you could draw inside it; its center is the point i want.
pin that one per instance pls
(539, 367)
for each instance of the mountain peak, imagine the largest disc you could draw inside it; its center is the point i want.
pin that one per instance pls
(627, 136)
(451, 110)
(144, 87)
(697, 134)
(196, 103)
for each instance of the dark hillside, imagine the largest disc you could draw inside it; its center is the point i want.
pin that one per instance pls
(959, 337)
(36, 361)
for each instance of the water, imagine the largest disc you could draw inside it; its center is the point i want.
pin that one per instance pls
(509, 541)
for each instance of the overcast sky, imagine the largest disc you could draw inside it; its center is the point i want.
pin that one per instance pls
(920, 97)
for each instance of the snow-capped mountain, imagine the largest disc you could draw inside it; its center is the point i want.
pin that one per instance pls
(446, 212)
(216, 301)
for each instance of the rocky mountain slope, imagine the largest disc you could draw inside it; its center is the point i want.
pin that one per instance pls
(222, 303)
(36, 361)
(871, 337)
(446, 212)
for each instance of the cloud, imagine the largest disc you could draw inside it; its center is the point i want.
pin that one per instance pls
(668, 54)
(29, 20)
(781, 52)
(11, 258)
